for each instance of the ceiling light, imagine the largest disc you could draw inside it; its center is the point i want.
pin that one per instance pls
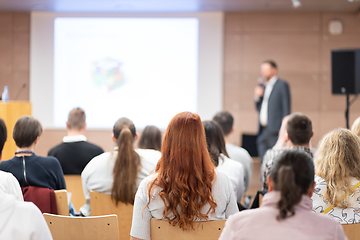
(296, 3)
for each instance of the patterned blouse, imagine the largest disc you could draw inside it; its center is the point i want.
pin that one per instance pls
(343, 216)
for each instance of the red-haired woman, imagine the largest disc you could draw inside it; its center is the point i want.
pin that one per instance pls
(185, 187)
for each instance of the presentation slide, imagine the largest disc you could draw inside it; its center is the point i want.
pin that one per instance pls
(145, 69)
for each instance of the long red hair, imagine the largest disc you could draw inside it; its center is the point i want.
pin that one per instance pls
(185, 172)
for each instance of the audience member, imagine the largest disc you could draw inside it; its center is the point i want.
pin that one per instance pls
(75, 152)
(226, 121)
(355, 128)
(28, 168)
(285, 212)
(150, 138)
(19, 220)
(299, 133)
(8, 182)
(185, 186)
(216, 146)
(337, 168)
(120, 172)
(150, 143)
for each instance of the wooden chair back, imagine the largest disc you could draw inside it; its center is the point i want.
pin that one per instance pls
(62, 202)
(260, 199)
(162, 230)
(352, 231)
(101, 204)
(74, 186)
(82, 228)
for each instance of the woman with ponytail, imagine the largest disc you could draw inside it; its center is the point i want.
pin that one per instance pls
(285, 212)
(120, 172)
(185, 187)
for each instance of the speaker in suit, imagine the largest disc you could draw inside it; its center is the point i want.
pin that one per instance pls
(277, 104)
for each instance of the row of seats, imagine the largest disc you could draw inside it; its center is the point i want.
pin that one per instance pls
(109, 221)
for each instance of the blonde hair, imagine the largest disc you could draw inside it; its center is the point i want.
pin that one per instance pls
(355, 128)
(337, 160)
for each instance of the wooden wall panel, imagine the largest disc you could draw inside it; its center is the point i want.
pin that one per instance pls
(291, 52)
(6, 23)
(15, 53)
(279, 22)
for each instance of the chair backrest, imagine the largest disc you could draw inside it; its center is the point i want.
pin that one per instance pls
(82, 228)
(74, 186)
(352, 231)
(101, 204)
(162, 230)
(62, 202)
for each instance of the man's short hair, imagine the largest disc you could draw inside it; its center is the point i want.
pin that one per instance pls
(26, 130)
(272, 63)
(225, 120)
(299, 129)
(3, 134)
(76, 119)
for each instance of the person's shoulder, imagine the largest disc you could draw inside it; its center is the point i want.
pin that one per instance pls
(325, 220)
(232, 163)
(282, 81)
(4, 176)
(48, 159)
(6, 163)
(236, 150)
(221, 178)
(48, 162)
(54, 150)
(144, 184)
(99, 159)
(148, 156)
(92, 146)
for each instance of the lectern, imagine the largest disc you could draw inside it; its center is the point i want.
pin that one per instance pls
(10, 112)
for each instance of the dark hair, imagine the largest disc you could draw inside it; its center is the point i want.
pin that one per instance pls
(293, 175)
(225, 121)
(215, 141)
(76, 119)
(26, 130)
(150, 138)
(3, 134)
(127, 164)
(272, 63)
(299, 129)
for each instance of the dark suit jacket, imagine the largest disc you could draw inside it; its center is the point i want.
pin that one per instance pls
(279, 106)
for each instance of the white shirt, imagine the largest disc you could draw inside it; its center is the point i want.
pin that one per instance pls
(343, 216)
(98, 173)
(77, 138)
(10, 185)
(21, 220)
(242, 156)
(221, 191)
(264, 106)
(235, 172)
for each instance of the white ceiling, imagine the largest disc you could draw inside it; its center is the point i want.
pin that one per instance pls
(176, 5)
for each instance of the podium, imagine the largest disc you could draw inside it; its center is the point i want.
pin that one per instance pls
(10, 113)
